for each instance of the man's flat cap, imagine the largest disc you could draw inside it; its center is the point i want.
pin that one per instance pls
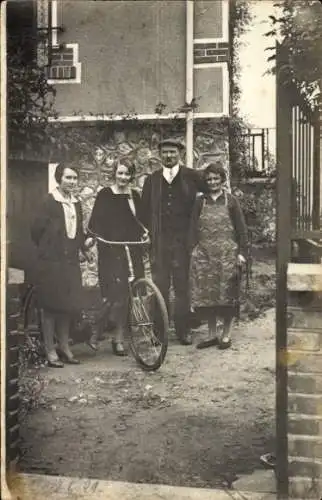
(173, 143)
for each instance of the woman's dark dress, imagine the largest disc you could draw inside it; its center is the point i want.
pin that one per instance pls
(113, 220)
(58, 275)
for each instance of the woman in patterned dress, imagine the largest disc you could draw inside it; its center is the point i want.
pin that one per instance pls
(219, 245)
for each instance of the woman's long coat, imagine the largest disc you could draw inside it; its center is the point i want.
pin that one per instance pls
(58, 274)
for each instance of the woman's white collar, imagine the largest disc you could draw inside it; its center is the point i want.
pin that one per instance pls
(61, 199)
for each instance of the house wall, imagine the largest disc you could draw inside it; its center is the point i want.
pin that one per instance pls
(132, 56)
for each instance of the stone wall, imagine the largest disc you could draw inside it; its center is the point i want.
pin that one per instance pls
(101, 147)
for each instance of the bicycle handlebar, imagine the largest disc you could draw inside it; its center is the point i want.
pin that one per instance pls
(145, 241)
(126, 244)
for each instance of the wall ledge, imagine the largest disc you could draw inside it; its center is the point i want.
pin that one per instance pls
(304, 277)
(266, 181)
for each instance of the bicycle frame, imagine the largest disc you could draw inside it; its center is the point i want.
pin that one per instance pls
(141, 321)
(126, 244)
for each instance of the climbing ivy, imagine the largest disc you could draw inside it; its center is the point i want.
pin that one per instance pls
(298, 27)
(240, 18)
(29, 96)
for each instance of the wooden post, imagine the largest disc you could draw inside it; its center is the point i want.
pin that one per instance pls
(283, 239)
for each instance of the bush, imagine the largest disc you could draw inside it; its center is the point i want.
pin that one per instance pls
(258, 203)
(31, 382)
(262, 288)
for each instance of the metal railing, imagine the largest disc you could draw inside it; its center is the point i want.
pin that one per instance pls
(259, 144)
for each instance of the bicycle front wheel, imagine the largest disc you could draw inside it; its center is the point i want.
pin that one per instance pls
(148, 324)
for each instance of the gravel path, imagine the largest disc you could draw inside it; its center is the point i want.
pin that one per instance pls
(202, 420)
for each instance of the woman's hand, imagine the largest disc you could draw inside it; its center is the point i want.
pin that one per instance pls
(146, 237)
(90, 257)
(241, 260)
(89, 242)
(87, 256)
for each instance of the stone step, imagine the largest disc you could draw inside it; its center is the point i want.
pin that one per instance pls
(35, 487)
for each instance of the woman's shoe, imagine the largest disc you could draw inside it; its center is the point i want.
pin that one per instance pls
(118, 348)
(268, 460)
(224, 343)
(72, 361)
(67, 358)
(207, 343)
(55, 364)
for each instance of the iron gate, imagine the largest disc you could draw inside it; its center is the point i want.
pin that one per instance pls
(257, 143)
(298, 221)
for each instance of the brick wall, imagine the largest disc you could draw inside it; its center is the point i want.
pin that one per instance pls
(211, 52)
(12, 378)
(305, 381)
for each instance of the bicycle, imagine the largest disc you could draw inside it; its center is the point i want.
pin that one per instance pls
(148, 321)
(31, 326)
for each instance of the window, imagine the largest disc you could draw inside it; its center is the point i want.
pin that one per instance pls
(63, 63)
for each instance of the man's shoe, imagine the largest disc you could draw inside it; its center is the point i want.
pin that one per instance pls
(195, 321)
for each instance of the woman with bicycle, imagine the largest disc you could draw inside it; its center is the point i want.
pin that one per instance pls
(115, 218)
(219, 249)
(58, 235)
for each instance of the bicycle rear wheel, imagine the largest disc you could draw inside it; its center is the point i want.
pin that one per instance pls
(148, 324)
(32, 326)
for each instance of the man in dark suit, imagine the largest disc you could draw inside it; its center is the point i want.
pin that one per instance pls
(167, 199)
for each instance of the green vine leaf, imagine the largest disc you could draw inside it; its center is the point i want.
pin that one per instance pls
(299, 28)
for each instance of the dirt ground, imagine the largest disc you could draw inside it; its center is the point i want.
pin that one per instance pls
(202, 420)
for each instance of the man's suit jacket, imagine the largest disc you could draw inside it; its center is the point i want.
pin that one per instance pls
(191, 182)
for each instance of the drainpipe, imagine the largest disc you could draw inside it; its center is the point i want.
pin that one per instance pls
(189, 81)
